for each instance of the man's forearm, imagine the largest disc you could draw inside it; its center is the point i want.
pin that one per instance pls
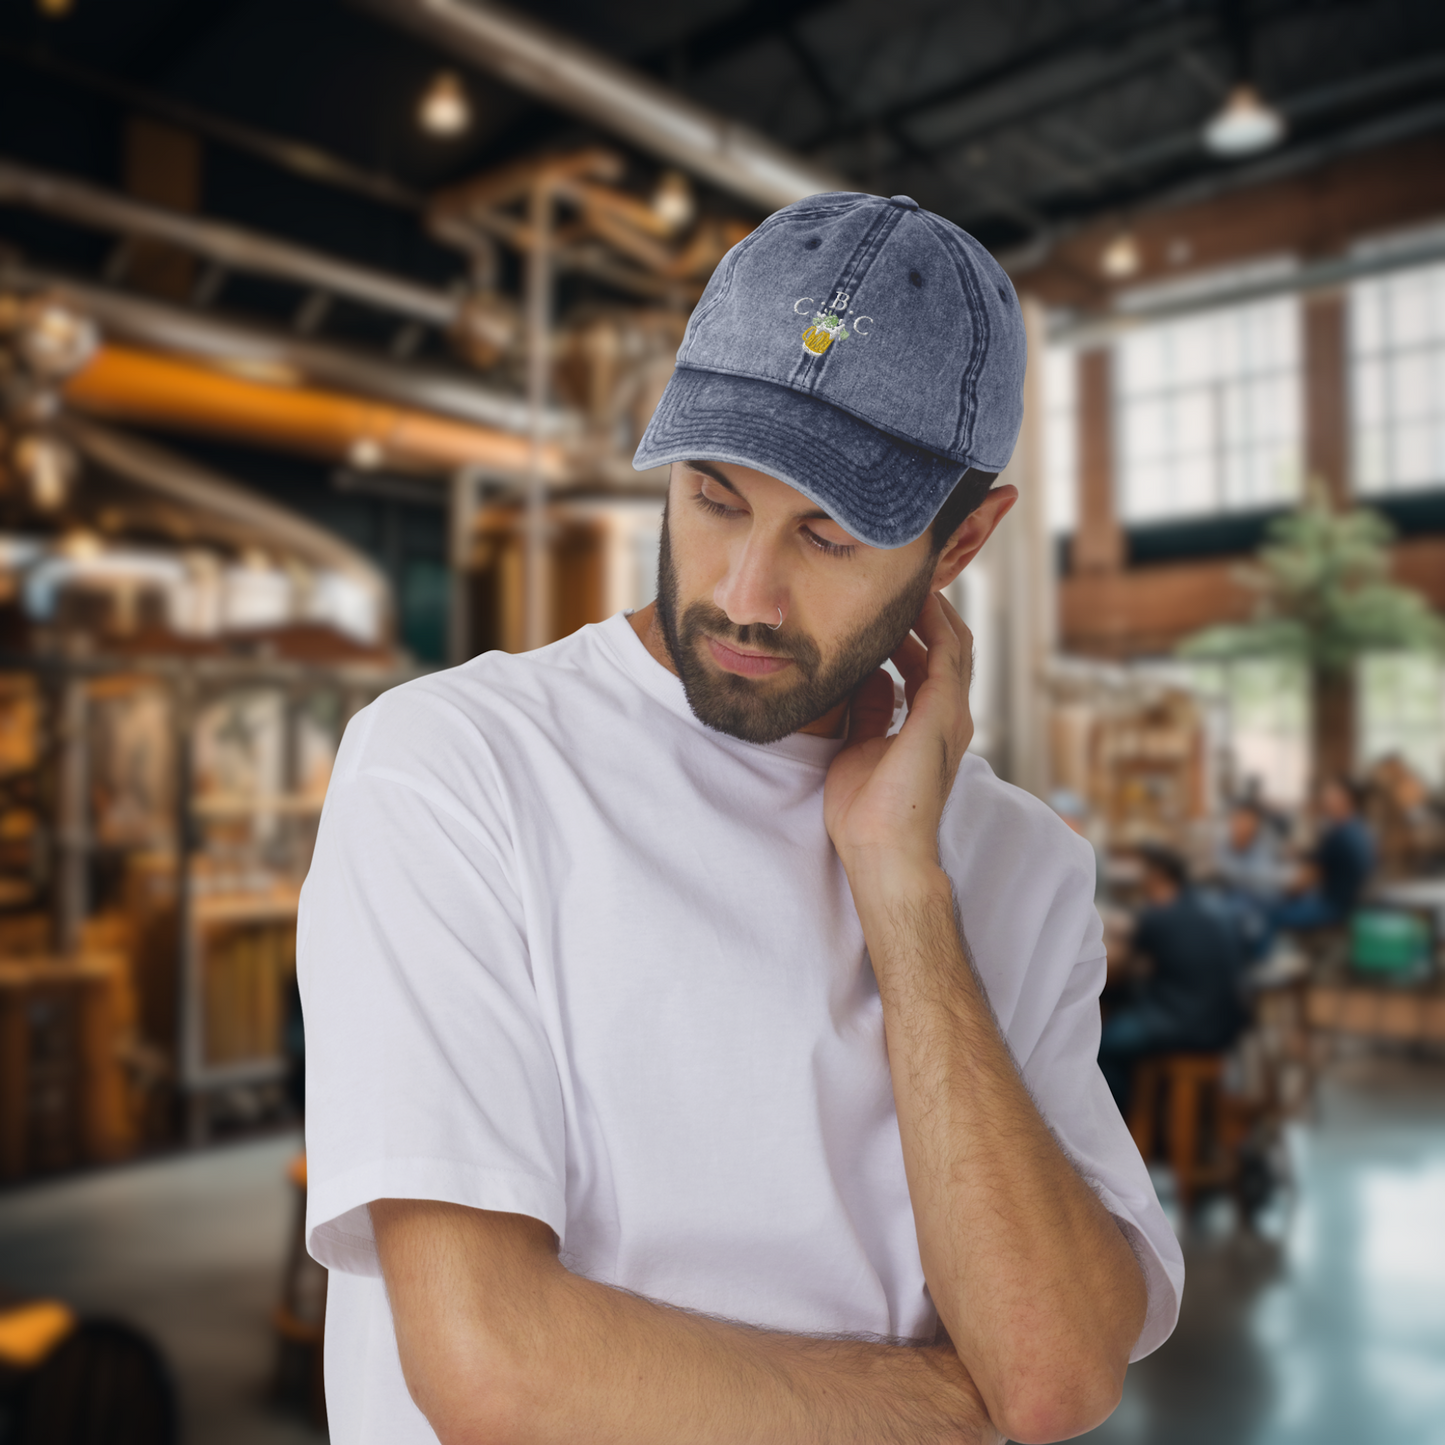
(501, 1345)
(1032, 1277)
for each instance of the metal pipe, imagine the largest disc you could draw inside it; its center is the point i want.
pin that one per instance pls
(166, 391)
(571, 76)
(231, 246)
(260, 354)
(249, 516)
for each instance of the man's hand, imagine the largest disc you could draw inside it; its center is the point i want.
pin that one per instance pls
(501, 1345)
(1033, 1280)
(884, 797)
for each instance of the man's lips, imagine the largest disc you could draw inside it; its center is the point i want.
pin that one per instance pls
(746, 664)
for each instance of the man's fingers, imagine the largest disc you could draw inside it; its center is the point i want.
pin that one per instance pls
(961, 631)
(870, 714)
(960, 627)
(938, 634)
(910, 657)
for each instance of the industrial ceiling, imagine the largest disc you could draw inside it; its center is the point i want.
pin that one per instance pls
(1018, 121)
(290, 271)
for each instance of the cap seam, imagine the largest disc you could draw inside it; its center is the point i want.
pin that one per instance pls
(853, 273)
(968, 412)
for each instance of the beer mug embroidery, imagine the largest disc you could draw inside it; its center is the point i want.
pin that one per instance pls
(823, 331)
(825, 328)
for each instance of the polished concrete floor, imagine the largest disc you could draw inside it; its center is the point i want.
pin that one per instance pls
(191, 1249)
(1328, 1330)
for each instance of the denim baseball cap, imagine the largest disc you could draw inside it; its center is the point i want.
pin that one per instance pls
(861, 349)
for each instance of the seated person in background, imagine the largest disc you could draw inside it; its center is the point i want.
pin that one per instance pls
(1190, 998)
(1335, 875)
(1250, 872)
(1248, 861)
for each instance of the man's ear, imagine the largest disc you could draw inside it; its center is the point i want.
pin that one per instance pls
(972, 533)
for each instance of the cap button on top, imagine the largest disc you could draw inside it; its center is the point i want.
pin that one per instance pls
(906, 203)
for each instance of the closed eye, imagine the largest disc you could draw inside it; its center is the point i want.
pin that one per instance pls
(827, 548)
(715, 509)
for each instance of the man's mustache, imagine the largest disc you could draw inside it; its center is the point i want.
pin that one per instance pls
(799, 648)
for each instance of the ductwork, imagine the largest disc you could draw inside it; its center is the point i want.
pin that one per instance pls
(244, 517)
(572, 77)
(252, 351)
(150, 390)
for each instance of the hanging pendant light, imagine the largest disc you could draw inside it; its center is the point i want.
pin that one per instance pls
(1244, 126)
(1120, 258)
(446, 109)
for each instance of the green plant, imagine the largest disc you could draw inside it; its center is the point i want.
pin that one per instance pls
(1322, 579)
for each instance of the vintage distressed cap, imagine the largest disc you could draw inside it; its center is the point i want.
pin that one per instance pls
(863, 350)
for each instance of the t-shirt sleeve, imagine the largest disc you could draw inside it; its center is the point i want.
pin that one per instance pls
(1062, 1074)
(1025, 890)
(429, 1071)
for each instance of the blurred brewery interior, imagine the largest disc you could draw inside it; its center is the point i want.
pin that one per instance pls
(327, 331)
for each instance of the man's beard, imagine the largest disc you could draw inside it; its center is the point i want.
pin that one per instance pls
(738, 705)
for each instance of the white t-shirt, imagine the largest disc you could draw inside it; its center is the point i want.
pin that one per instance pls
(566, 952)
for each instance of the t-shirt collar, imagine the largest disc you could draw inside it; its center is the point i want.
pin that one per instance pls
(631, 655)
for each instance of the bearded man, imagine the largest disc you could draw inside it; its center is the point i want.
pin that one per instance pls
(697, 1056)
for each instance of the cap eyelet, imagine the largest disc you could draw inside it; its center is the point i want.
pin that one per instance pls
(812, 243)
(915, 278)
(1003, 295)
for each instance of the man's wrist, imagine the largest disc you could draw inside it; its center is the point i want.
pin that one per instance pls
(907, 911)
(889, 881)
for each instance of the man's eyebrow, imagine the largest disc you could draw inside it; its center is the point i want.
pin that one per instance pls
(709, 470)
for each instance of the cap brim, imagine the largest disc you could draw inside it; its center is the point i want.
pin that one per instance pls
(880, 490)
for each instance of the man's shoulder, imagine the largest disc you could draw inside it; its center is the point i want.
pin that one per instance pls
(482, 706)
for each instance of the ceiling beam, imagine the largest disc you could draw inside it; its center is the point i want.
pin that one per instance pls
(1317, 276)
(230, 246)
(300, 159)
(721, 39)
(1181, 145)
(1140, 20)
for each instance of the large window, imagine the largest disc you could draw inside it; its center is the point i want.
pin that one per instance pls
(1208, 413)
(1061, 432)
(1397, 354)
(1402, 712)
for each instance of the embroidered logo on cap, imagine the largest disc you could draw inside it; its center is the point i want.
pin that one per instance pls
(825, 330)
(827, 327)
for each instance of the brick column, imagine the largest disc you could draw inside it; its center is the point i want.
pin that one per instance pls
(1326, 403)
(1098, 544)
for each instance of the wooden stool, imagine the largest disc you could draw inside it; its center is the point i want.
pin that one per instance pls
(1188, 1079)
(300, 1318)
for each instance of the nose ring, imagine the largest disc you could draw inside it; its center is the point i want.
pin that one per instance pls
(780, 621)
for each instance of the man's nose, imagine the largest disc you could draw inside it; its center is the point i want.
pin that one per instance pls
(753, 592)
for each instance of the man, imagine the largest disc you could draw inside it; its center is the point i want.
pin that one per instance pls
(655, 1095)
(1248, 861)
(1189, 998)
(1250, 873)
(1330, 885)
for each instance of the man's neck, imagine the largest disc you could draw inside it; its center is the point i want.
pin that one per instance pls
(644, 622)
